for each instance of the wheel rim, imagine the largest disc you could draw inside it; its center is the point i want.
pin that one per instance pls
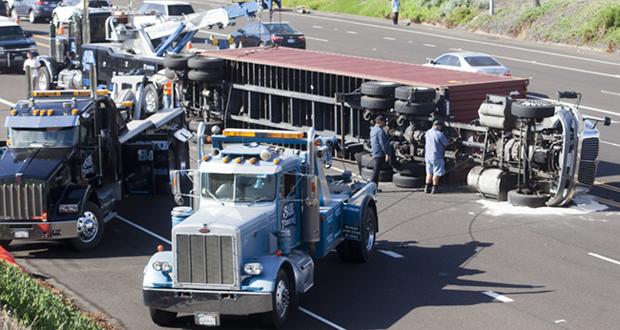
(370, 240)
(42, 82)
(151, 102)
(31, 16)
(87, 227)
(282, 298)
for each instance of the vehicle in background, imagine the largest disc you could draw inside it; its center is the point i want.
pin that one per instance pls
(256, 34)
(154, 12)
(470, 62)
(66, 9)
(4, 9)
(35, 10)
(14, 44)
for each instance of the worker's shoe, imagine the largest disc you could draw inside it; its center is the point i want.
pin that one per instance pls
(427, 188)
(434, 190)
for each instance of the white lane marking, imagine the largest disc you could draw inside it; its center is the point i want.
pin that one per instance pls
(603, 74)
(214, 33)
(430, 45)
(317, 39)
(610, 93)
(391, 254)
(143, 229)
(604, 258)
(389, 38)
(580, 106)
(610, 143)
(480, 42)
(351, 32)
(7, 102)
(498, 296)
(456, 49)
(560, 321)
(322, 319)
(317, 27)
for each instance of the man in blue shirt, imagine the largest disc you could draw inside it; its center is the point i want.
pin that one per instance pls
(434, 150)
(395, 10)
(380, 149)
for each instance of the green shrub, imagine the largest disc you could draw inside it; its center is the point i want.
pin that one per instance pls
(459, 16)
(35, 306)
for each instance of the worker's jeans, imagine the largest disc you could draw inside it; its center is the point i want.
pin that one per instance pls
(378, 165)
(395, 18)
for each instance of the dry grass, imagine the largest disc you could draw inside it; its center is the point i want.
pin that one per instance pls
(9, 323)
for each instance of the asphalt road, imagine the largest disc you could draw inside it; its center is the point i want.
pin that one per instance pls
(445, 261)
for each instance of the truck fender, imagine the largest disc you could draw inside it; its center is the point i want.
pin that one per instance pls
(354, 211)
(157, 279)
(77, 195)
(51, 65)
(266, 280)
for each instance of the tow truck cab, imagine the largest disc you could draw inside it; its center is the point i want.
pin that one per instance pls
(261, 213)
(65, 166)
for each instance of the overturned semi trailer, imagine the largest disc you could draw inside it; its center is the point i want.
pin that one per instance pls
(530, 148)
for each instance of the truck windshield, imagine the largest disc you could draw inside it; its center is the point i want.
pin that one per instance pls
(239, 187)
(11, 32)
(178, 10)
(54, 137)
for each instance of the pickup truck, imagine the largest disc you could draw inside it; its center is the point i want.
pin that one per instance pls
(260, 215)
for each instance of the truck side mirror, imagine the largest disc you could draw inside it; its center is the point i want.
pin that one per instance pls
(185, 183)
(175, 183)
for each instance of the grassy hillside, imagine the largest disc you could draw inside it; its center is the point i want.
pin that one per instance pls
(580, 22)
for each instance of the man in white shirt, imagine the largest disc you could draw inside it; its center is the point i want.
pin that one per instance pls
(34, 67)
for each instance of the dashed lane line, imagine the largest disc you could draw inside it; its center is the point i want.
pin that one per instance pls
(595, 255)
(322, 319)
(317, 39)
(447, 37)
(553, 66)
(611, 143)
(610, 93)
(498, 296)
(607, 112)
(430, 45)
(317, 27)
(389, 38)
(315, 316)
(351, 32)
(391, 254)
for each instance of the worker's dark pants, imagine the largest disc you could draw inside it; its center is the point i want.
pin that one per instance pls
(378, 165)
(395, 18)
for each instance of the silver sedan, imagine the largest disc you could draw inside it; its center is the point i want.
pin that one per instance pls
(470, 62)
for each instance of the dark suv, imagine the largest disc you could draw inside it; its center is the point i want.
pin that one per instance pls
(35, 10)
(14, 44)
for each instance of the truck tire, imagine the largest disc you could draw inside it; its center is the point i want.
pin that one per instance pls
(413, 109)
(32, 18)
(412, 169)
(43, 80)
(402, 181)
(384, 175)
(205, 76)
(517, 198)
(282, 299)
(162, 318)
(533, 109)
(177, 61)
(90, 228)
(151, 102)
(366, 161)
(205, 63)
(359, 251)
(376, 103)
(415, 94)
(379, 88)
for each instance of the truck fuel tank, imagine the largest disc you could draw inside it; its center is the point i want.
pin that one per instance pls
(491, 182)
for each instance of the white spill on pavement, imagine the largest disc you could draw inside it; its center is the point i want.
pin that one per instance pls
(392, 254)
(583, 204)
(497, 296)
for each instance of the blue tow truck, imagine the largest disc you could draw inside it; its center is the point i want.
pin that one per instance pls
(260, 213)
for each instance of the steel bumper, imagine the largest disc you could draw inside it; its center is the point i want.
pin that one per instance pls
(222, 302)
(38, 230)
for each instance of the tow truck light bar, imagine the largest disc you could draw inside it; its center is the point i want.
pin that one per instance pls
(263, 134)
(65, 93)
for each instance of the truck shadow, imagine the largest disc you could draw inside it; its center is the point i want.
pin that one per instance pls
(377, 294)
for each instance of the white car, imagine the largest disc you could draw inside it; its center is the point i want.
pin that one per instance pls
(470, 62)
(158, 11)
(67, 8)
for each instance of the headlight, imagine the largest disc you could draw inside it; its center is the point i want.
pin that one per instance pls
(165, 267)
(157, 266)
(68, 208)
(253, 268)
